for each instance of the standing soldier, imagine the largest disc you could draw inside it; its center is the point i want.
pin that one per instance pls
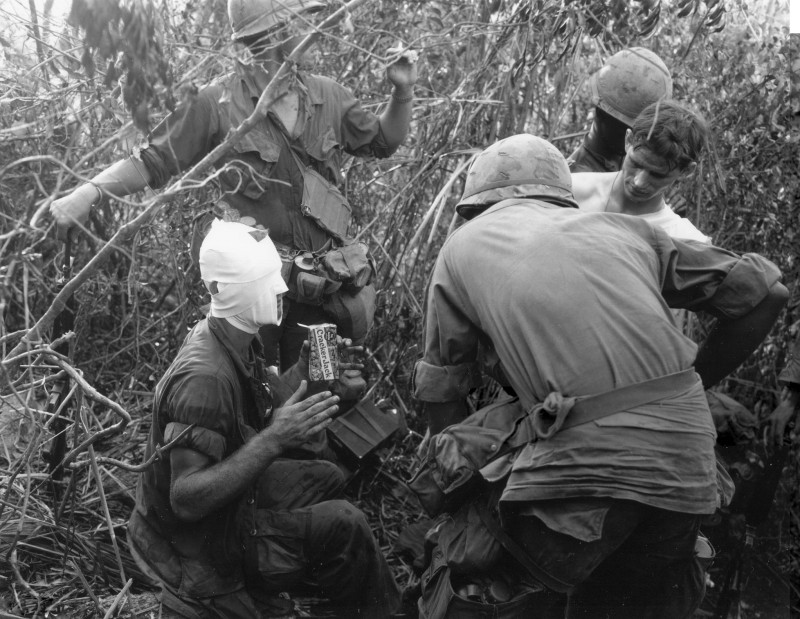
(297, 148)
(575, 306)
(627, 83)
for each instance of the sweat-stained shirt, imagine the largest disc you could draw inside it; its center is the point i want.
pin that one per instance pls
(262, 184)
(579, 303)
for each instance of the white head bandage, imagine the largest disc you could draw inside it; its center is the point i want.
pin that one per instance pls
(242, 269)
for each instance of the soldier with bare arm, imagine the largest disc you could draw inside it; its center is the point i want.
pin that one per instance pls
(607, 501)
(240, 510)
(628, 82)
(302, 139)
(662, 147)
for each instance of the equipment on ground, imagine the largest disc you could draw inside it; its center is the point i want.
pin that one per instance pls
(758, 500)
(362, 430)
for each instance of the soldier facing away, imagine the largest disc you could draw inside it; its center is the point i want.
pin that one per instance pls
(575, 306)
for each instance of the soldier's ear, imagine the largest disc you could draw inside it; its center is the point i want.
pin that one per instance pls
(628, 138)
(689, 169)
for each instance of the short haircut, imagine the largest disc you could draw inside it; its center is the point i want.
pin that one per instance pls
(672, 131)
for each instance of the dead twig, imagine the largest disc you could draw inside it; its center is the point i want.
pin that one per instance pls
(136, 468)
(103, 502)
(118, 599)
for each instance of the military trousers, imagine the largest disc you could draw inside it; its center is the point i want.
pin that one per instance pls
(640, 564)
(300, 538)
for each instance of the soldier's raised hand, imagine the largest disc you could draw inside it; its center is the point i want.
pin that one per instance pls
(402, 68)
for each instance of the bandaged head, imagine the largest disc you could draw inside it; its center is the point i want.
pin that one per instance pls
(242, 269)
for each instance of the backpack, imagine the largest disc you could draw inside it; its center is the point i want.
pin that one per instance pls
(462, 456)
(474, 569)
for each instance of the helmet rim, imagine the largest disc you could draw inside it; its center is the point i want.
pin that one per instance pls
(261, 20)
(520, 166)
(628, 82)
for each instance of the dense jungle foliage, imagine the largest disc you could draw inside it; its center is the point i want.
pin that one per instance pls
(76, 97)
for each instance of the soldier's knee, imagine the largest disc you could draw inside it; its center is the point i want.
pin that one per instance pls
(349, 515)
(340, 527)
(330, 476)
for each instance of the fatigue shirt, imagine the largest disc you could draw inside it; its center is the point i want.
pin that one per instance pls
(262, 184)
(223, 392)
(579, 303)
(586, 159)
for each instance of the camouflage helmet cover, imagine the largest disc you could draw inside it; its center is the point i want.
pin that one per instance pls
(628, 82)
(251, 17)
(520, 166)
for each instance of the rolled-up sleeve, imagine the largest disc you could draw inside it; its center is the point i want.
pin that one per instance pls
(203, 440)
(205, 403)
(183, 138)
(361, 131)
(436, 383)
(702, 277)
(449, 368)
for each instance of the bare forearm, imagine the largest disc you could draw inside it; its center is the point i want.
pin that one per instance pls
(397, 117)
(123, 178)
(732, 341)
(196, 495)
(198, 487)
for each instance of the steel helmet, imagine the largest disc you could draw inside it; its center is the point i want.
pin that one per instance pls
(250, 17)
(520, 166)
(628, 82)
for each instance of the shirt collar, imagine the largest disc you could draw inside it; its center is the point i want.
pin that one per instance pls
(531, 202)
(594, 146)
(255, 79)
(242, 350)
